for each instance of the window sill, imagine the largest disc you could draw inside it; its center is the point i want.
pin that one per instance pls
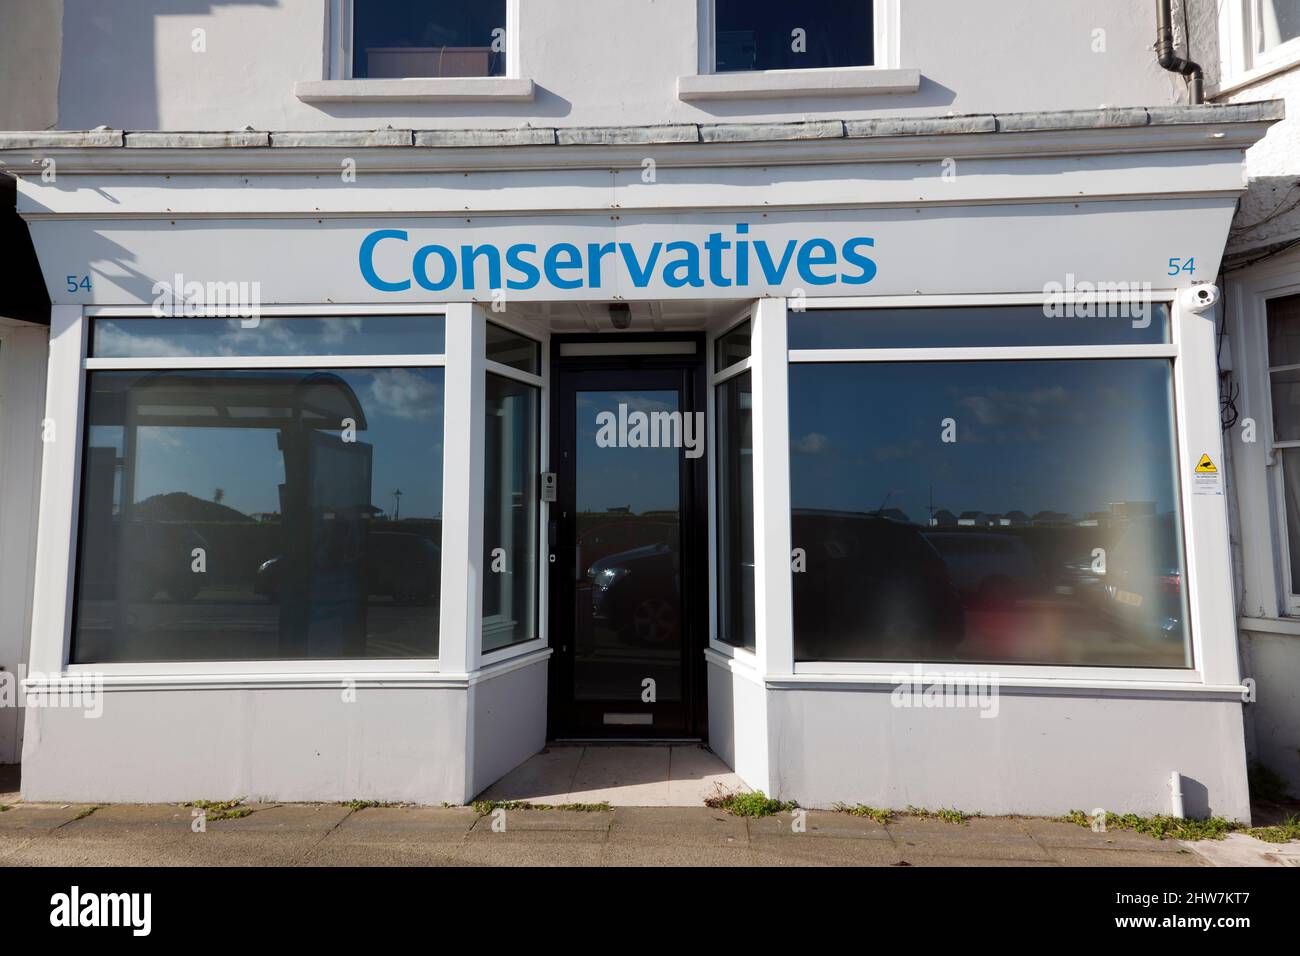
(448, 89)
(1263, 71)
(1289, 626)
(762, 84)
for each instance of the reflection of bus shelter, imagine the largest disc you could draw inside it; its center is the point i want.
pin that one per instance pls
(325, 496)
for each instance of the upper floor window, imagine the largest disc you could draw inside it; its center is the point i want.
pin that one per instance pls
(781, 35)
(1258, 37)
(393, 39)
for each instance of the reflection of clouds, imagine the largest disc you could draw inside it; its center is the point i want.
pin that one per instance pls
(165, 437)
(813, 443)
(1015, 415)
(897, 452)
(406, 393)
(112, 341)
(642, 403)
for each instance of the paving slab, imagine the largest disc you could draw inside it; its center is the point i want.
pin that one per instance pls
(822, 823)
(624, 854)
(405, 825)
(546, 777)
(38, 817)
(677, 827)
(814, 851)
(332, 852)
(1078, 856)
(596, 821)
(503, 853)
(1053, 833)
(1242, 849)
(287, 817)
(622, 776)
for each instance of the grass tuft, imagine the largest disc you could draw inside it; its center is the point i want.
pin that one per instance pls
(946, 814)
(862, 810)
(221, 809)
(484, 807)
(757, 804)
(1160, 826)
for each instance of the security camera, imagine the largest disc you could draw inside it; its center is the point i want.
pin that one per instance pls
(1199, 297)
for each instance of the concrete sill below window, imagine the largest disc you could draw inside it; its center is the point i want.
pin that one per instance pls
(448, 89)
(763, 84)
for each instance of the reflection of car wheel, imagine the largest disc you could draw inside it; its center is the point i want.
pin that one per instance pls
(654, 621)
(184, 589)
(409, 592)
(997, 592)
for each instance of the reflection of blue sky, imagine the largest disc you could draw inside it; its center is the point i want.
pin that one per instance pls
(644, 479)
(403, 409)
(273, 335)
(1031, 436)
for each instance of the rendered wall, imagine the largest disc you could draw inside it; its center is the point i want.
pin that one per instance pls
(1273, 660)
(1043, 754)
(135, 67)
(150, 746)
(508, 723)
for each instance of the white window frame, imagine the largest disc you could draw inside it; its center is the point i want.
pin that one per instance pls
(1239, 64)
(716, 378)
(1214, 669)
(337, 85)
(1261, 500)
(885, 75)
(61, 482)
(542, 546)
(885, 16)
(340, 47)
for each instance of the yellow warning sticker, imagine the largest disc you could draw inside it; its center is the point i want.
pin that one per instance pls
(1205, 466)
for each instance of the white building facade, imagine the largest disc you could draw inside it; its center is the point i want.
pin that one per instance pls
(424, 385)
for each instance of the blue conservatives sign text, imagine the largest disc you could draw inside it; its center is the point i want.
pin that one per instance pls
(722, 260)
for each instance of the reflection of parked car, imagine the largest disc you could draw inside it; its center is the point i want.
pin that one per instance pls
(159, 556)
(1144, 578)
(637, 593)
(405, 567)
(871, 589)
(992, 570)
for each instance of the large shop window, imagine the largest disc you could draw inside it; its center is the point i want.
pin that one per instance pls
(781, 35)
(510, 507)
(1010, 512)
(260, 513)
(1284, 379)
(433, 38)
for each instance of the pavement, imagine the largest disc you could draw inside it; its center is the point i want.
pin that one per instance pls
(33, 834)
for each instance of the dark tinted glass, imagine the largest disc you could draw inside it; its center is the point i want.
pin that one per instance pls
(510, 514)
(399, 38)
(278, 335)
(783, 35)
(732, 347)
(1001, 512)
(261, 515)
(513, 349)
(736, 511)
(988, 327)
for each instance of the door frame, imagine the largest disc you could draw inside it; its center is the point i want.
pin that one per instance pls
(696, 515)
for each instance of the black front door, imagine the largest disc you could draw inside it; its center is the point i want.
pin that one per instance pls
(629, 579)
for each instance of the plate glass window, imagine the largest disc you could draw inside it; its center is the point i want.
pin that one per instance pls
(1276, 22)
(267, 514)
(1007, 512)
(780, 35)
(431, 38)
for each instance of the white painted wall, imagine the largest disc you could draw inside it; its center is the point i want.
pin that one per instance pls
(1045, 753)
(594, 63)
(30, 53)
(23, 351)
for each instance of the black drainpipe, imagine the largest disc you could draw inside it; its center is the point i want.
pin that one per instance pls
(1170, 60)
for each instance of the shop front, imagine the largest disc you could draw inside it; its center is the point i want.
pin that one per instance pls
(873, 455)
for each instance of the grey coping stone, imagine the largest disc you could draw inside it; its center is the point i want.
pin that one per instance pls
(344, 138)
(1256, 112)
(768, 132)
(241, 139)
(921, 126)
(627, 135)
(1108, 118)
(521, 136)
(62, 139)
